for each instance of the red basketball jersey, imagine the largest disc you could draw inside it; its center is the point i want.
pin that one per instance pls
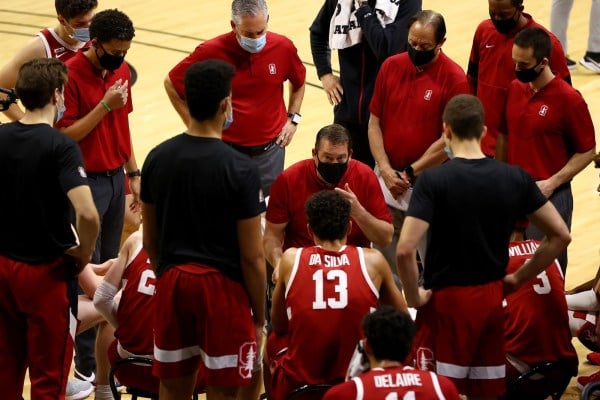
(536, 320)
(135, 314)
(327, 296)
(395, 383)
(57, 48)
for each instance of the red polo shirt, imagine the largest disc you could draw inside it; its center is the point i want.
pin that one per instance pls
(108, 145)
(259, 111)
(546, 128)
(298, 182)
(491, 58)
(410, 104)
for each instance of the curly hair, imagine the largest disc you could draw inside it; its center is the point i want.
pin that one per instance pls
(389, 333)
(328, 215)
(113, 24)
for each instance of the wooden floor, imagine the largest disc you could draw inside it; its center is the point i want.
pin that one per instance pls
(164, 35)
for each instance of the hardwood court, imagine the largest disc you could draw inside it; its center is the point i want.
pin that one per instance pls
(166, 32)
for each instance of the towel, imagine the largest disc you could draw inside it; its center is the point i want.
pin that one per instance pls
(344, 30)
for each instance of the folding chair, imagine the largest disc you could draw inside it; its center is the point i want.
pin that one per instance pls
(134, 392)
(552, 380)
(589, 389)
(309, 392)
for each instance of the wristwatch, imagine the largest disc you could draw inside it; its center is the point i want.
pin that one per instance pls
(295, 117)
(410, 173)
(134, 173)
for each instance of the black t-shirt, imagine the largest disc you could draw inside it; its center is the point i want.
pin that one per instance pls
(200, 188)
(471, 207)
(38, 166)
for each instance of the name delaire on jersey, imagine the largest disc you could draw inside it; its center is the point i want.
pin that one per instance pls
(330, 260)
(523, 249)
(399, 380)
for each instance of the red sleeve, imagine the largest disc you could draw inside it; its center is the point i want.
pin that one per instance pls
(177, 73)
(376, 106)
(580, 127)
(277, 211)
(297, 75)
(343, 391)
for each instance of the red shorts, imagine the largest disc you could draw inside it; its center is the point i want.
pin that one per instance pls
(203, 316)
(460, 335)
(36, 328)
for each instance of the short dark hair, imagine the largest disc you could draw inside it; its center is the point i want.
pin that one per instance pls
(464, 115)
(73, 8)
(516, 3)
(112, 24)
(334, 133)
(536, 39)
(37, 81)
(433, 18)
(328, 215)
(206, 83)
(389, 332)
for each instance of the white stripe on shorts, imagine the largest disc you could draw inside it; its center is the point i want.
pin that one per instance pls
(172, 356)
(460, 372)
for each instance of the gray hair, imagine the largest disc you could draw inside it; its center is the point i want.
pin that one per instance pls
(241, 8)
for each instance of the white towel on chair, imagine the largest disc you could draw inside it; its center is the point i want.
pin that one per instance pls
(344, 30)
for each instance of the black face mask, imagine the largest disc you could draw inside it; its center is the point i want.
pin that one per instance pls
(505, 25)
(420, 57)
(108, 61)
(529, 74)
(332, 172)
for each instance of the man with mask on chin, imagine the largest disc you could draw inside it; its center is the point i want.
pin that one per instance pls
(548, 130)
(62, 42)
(491, 69)
(331, 167)
(262, 126)
(405, 126)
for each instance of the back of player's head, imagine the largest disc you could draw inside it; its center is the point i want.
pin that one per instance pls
(335, 134)
(112, 24)
(389, 333)
(328, 215)
(464, 116)
(433, 18)
(73, 8)
(242, 8)
(206, 83)
(536, 39)
(37, 81)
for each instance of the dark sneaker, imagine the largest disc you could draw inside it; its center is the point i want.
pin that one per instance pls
(571, 64)
(91, 378)
(591, 61)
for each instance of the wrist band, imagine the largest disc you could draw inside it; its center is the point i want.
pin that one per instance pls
(105, 105)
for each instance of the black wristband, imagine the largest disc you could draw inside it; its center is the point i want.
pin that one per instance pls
(410, 173)
(134, 173)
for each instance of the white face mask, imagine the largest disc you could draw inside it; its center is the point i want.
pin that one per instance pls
(60, 110)
(253, 45)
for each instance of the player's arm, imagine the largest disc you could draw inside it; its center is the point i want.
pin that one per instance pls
(273, 245)
(150, 234)
(87, 223)
(413, 230)
(501, 147)
(279, 320)
(388, 291)
(104, 298)
(9, 73)
(178, 103)
(549, 221)
(376, 230)
(252, 262)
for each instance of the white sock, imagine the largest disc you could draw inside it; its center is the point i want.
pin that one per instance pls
(583, 301)
(103, 393)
